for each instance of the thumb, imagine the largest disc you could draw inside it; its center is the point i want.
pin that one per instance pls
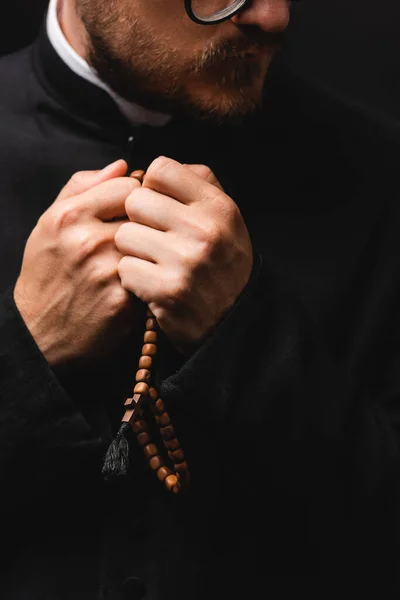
(82, 181)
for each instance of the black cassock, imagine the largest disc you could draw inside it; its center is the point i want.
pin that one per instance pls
(289, 410)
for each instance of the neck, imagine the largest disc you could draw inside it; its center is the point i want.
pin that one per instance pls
(72, 26)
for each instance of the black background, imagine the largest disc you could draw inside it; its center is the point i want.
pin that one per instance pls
(352, 45)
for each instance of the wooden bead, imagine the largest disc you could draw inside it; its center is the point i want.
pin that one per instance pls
(163, 420)
(150, 450)
(143, 375)
(156, 462)
(171, 482)
(141, 388)
(167, 433)
(163, 472)
(158, 407)
(139, 426)
(149, 350)
(172, 444)
(138, 174)
(149, 312)
(177, 456)
(145, 362)
(151, 324)
(150, 337)
(143, 438)
(153, 393)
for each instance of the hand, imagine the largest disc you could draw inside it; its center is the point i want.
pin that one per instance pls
(187, 251)
(69, 292)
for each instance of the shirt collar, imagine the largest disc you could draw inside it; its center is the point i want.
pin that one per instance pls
(134, 113)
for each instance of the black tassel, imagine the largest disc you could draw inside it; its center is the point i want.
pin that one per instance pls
(116, 461)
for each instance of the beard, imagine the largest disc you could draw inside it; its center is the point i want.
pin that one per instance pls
(221, 83)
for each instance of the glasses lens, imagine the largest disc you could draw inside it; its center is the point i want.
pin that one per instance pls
(210, 10)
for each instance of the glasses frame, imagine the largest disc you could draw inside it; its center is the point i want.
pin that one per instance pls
(219, 17)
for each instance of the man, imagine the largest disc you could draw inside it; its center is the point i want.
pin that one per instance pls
(264, 239)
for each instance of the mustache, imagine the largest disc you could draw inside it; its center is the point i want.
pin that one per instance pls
(225, 50)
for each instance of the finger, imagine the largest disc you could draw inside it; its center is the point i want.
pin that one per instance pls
(173, 179)
(93, 239)
(205, 173)
(84, 180)
(106, 201)
(140, 277)
(133, 239)
(155, 210)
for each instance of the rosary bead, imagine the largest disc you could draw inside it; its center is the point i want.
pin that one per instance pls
(156, 462)
(167, 433)
(172, 444)
(143, 375)
(158, 407)
(139, 426)
(150, 337)
(153, 393)
(171, 482)
(149, 350)
(138, 174)
(151, 324)
(163, 472)
(141, 388)
(143, 438)
(163, 420)
(145, 362)
(177, 456)
(150, 450)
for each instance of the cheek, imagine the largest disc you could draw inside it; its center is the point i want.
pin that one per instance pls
(174, 27)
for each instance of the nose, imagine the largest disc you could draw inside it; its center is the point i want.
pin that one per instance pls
(267, 15)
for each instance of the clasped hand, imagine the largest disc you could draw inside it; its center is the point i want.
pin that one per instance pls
(177, 243)
(186, 250)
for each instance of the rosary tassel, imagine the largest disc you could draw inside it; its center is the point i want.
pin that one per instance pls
(116, 461)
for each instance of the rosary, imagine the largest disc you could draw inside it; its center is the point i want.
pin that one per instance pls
(175, 477)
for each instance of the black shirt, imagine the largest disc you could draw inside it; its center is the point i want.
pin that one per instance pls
(289, 410)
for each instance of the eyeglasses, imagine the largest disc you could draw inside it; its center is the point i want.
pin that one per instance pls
(210, 12)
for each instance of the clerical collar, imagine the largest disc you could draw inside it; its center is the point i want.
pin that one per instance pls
(136, 115)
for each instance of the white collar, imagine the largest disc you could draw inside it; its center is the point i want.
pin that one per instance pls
(136, 115)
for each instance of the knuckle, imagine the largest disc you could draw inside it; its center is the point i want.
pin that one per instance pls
(123, 266)
(120, 235)
(77, 179)
(64, 215)
(232, 216)
(85, 243)
(158, 166)
(118, 298)
(103, 273)
(208, 234)
(134, 201)
(178, 289)
(205, 172)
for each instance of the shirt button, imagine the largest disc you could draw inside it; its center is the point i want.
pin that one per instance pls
(134, 589)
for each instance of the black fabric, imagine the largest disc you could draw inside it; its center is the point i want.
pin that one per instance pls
(289, 410)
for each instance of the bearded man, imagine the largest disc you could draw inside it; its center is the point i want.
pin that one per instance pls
(264, 240)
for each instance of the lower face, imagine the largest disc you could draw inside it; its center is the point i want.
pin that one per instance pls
(161, 59)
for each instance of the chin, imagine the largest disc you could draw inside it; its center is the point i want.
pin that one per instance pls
(228, 94)
(221, 103)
